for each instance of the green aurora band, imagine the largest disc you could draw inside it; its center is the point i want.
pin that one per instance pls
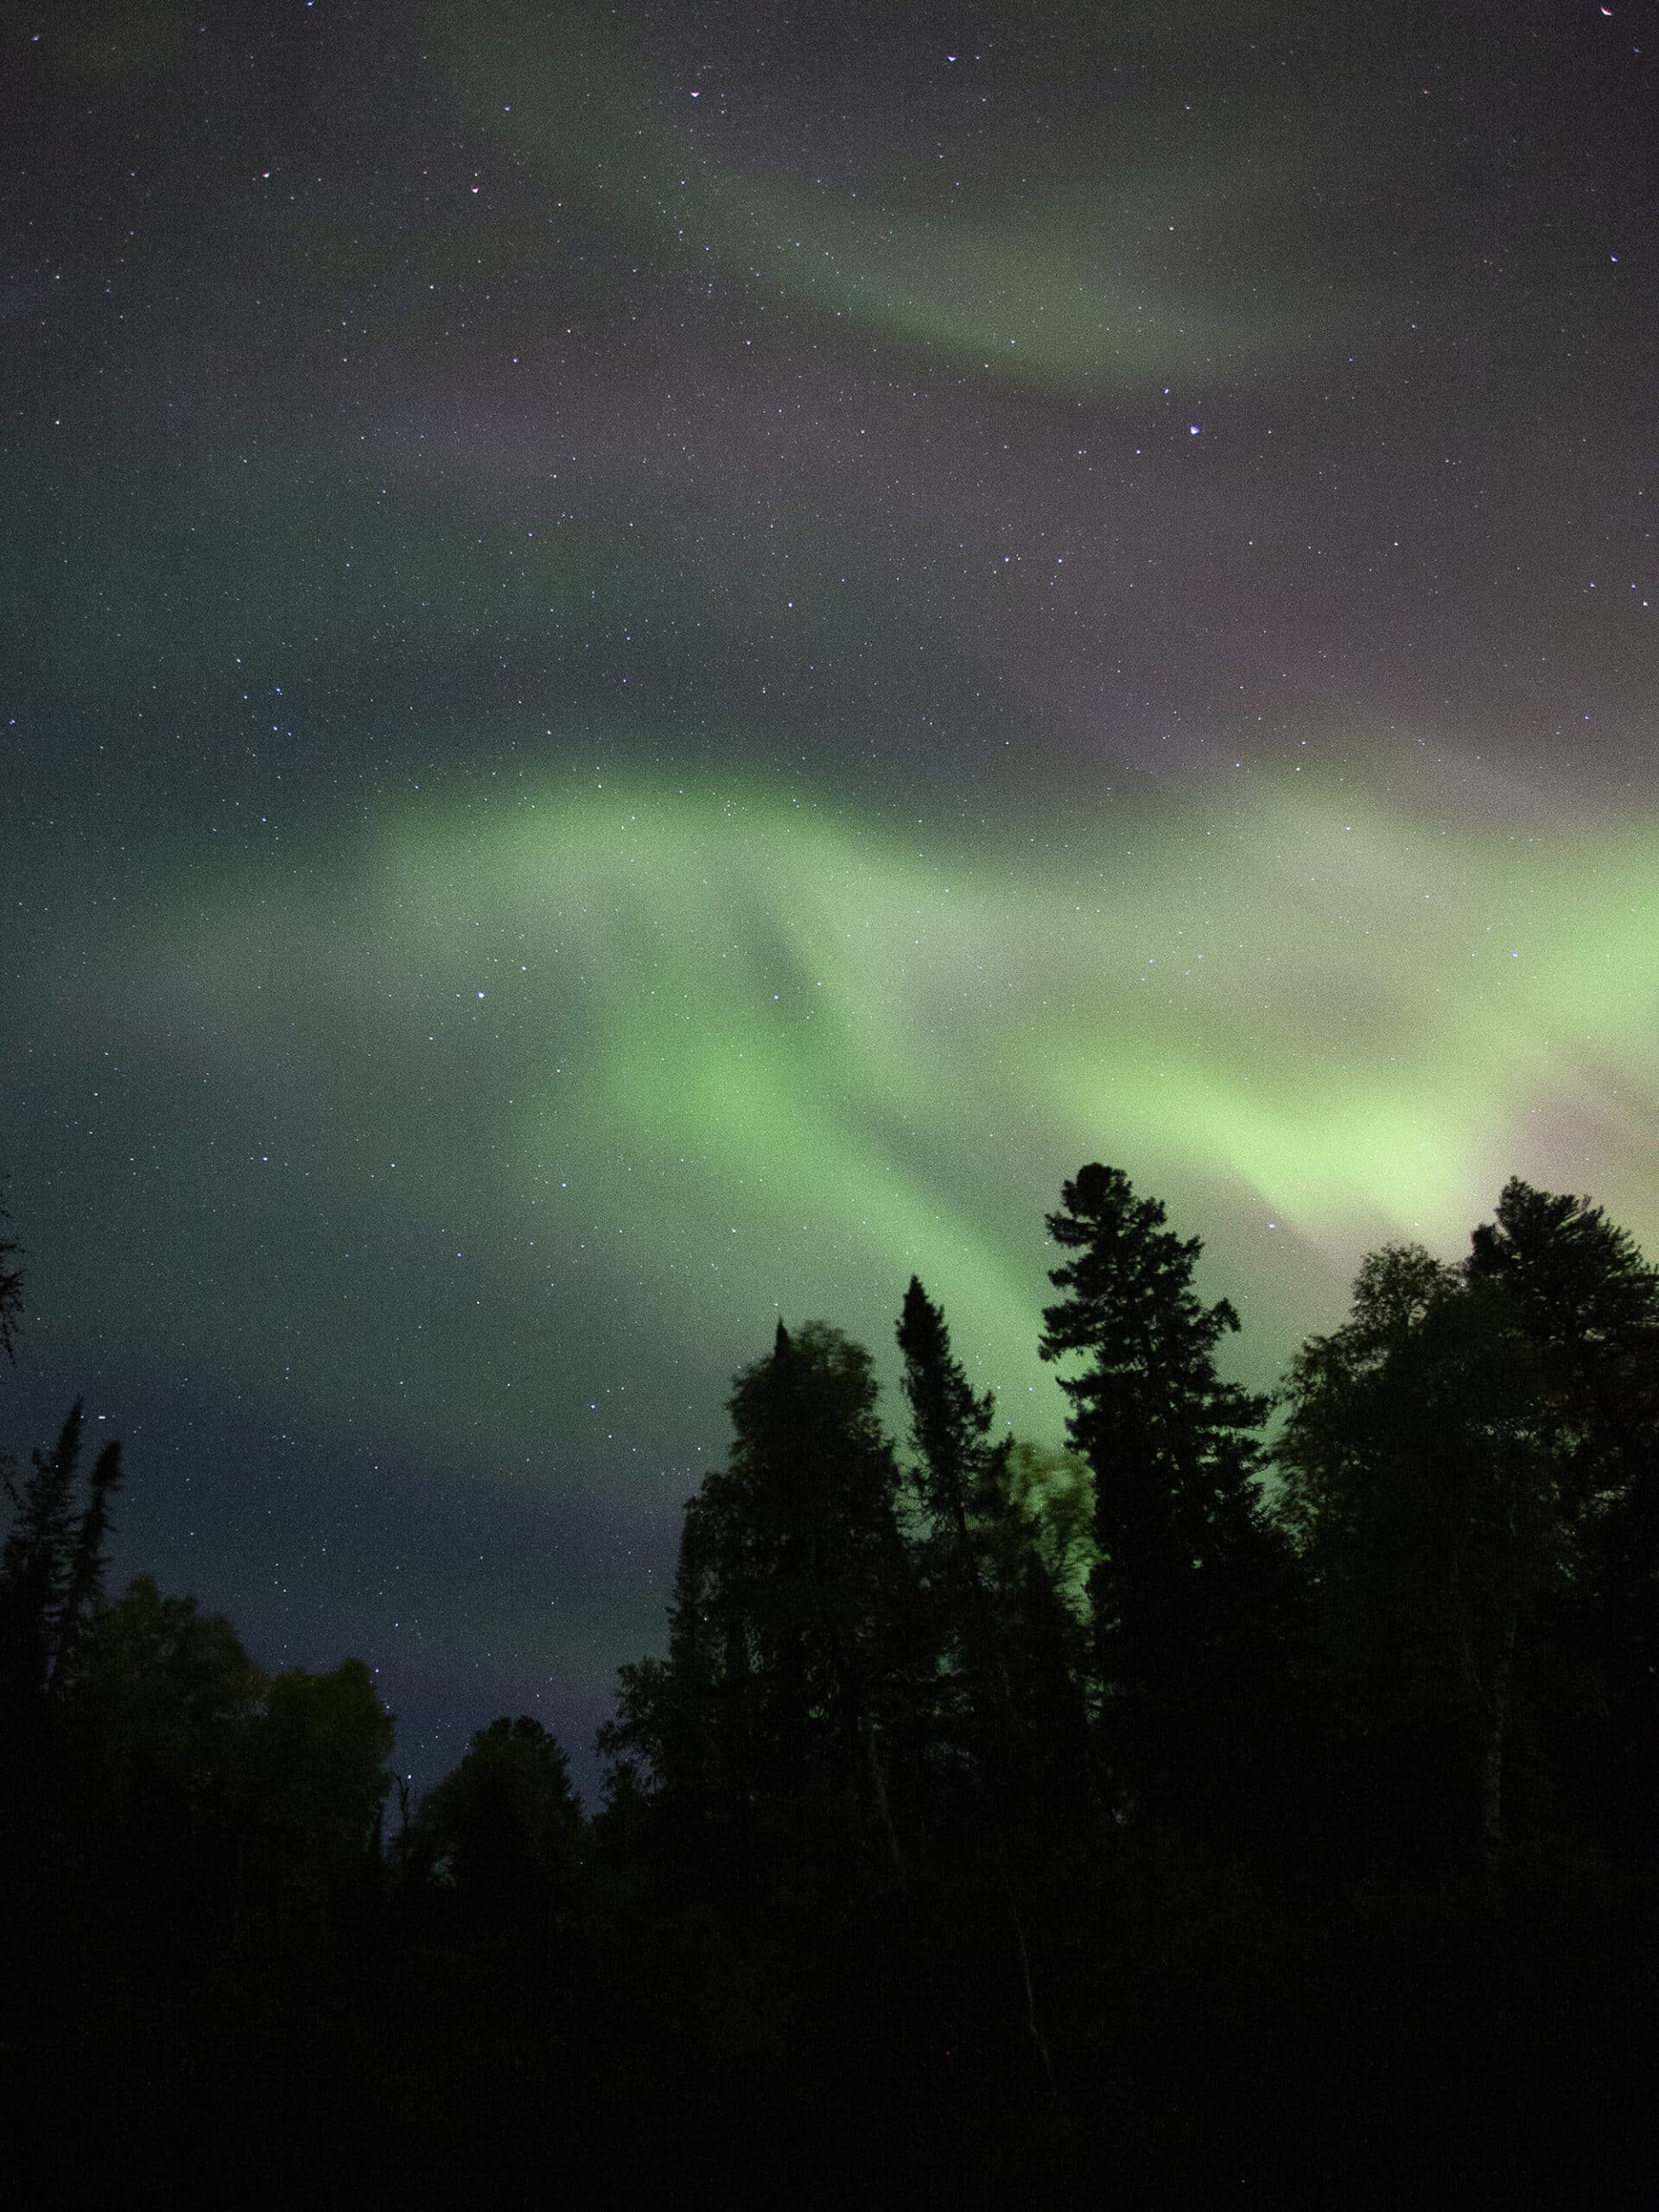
(1065, 290)
(663, 1062)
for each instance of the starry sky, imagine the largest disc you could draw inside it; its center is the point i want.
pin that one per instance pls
(661, 659)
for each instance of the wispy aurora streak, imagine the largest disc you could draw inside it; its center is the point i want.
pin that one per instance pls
(698, 1056)
(1058, 290)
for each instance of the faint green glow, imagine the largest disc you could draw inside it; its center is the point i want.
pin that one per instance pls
(1042, 288)
(287, 559)
(539, 1094)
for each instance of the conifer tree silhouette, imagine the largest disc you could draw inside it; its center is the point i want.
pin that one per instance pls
(1190, 1576)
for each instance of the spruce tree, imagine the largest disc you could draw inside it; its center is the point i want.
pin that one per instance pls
(956, 1469)
(11, 1294)
(1189, 1594)
(994, 1555)
(52, 1565)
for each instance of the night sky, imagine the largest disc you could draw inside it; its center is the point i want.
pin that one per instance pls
(661, 660)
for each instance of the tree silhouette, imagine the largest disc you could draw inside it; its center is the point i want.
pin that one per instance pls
(11, 1294)
(1189, 1584)
(956, 1473)
(1589, 1303)
(316, 1780)
(1421, 1465)
(1003, 1537)
(52, 1565)
(788, 1662)
(503, 1831)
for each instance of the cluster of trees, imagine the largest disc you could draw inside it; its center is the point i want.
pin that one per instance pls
(155, 1777)
(1426, 1611)
(156, 1780)
(1162, 1813)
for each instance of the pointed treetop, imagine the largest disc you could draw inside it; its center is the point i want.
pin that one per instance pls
(921, 1325)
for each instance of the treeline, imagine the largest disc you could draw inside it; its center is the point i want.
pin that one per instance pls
(1420, 1628)
(1255, 1800)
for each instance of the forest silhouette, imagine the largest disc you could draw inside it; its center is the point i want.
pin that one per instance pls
(1254, 1800)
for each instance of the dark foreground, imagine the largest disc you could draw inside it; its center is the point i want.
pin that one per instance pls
(1191, 2034)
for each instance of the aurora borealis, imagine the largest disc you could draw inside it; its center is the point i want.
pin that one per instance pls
(664, 661)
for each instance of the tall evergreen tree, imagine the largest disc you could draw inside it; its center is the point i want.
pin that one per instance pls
(1189, 1590)
(995, 1555)
(957, 1467)
(11, 1294)
(52, 1565)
